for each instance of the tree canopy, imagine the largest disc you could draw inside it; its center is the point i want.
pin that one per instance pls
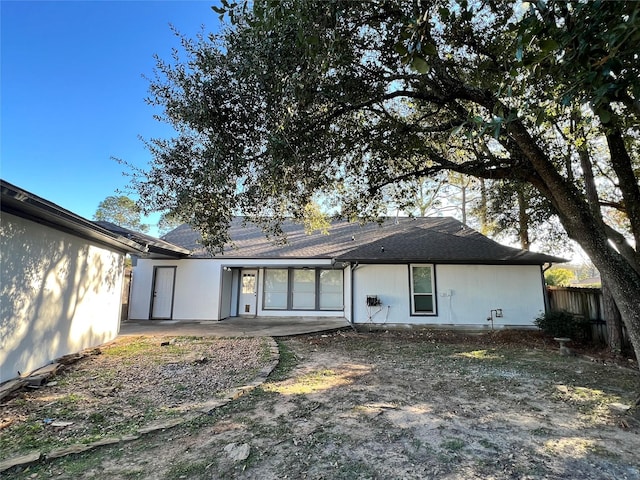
(355, 100)
(122, 211)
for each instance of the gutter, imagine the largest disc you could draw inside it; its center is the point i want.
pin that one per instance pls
(23, 204)
(351, 270)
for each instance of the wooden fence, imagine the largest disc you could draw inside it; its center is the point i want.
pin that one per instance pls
(586, 303)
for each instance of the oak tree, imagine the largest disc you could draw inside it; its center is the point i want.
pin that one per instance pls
(346, 99)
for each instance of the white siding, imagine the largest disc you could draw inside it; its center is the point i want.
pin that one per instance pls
(390, 283)
(477, 289)
(198, 288)
(60, 294)
(197, 284)
(465, 295)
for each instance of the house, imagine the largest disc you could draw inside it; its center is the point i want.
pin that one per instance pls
(405, 271)
(62, 279)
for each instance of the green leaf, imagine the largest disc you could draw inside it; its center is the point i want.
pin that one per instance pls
(429, 49)
(401, 49)
(444, 13)
(457, 130)
(419, 64)
(605, 115)
(219, 10)
(549, 45)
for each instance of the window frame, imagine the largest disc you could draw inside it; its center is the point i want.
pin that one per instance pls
(292, 292)
(290, 282)
(412, 293)
(264, 291)
(319, 289)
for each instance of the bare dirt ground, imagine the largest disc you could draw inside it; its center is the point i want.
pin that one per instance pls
(400, 406)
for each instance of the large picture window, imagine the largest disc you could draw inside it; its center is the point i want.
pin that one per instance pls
(331, 296)
(276, 285)
(422, 290)
(303, 289)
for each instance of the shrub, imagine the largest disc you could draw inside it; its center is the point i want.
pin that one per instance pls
(564, 324)
(559, 277)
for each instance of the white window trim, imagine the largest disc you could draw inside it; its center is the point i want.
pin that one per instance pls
(433, 290)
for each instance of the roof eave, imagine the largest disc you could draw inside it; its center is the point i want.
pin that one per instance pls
(21, 203)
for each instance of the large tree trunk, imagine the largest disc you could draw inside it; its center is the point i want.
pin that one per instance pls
(611, 312)
(523, 221)
(584, 227)
(614, 322)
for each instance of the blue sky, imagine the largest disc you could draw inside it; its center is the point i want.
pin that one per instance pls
(73, 93)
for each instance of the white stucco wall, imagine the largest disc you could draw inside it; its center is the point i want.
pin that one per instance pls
(59, 294)
(197, 288)
(465, 295)
(196, 294)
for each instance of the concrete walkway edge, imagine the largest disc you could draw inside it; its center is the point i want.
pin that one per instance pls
(198, 410)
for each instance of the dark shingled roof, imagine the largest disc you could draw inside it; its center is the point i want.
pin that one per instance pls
(423, 239)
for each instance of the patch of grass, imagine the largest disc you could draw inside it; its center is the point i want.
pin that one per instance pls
(453, 444)
(541, 432)
(265, 350)
(97, 417)
(588, 401)
(22, 436)
(127, 349)
(353, 469)
(305, 384)
(287, 363)
(133, 474)
(480, 354)
(576, 447)
(488, 444)
(278, 430)
(187, 469)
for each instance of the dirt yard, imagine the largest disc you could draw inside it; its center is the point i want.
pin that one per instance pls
(391, 406)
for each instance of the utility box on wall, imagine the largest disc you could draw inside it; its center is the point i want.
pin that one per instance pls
(373, 301)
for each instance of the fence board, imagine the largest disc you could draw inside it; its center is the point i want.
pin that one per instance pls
(586, 303)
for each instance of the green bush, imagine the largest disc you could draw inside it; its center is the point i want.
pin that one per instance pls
(559, 277)
(564, 324)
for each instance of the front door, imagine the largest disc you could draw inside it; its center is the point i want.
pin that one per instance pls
(248, 292)
(162, 293)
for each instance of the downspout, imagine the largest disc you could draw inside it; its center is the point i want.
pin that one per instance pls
(545, 291)
(352, 269)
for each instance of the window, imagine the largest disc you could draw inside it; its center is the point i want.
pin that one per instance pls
(303, 289)
(248, 283)
(276, 283)
(422, 290)
(331, 290)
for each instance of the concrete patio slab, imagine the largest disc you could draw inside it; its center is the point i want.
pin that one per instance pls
(235, 326)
